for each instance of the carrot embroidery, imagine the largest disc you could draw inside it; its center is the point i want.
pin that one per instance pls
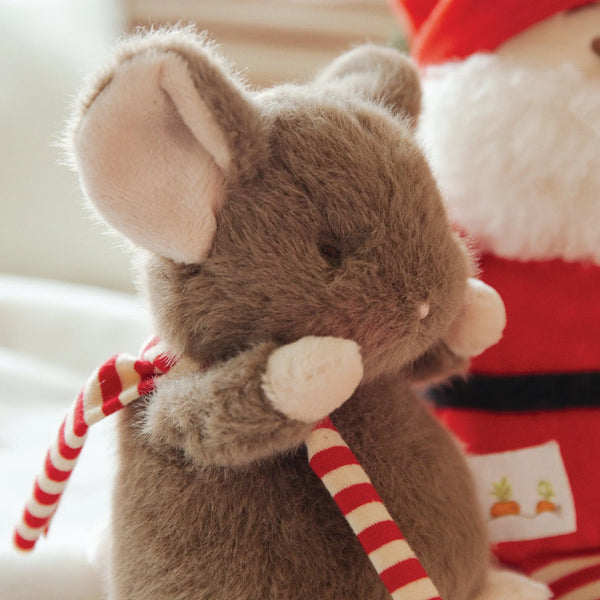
(546, 491)
(505, 505)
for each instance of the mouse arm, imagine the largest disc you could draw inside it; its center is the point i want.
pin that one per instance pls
(261, 402)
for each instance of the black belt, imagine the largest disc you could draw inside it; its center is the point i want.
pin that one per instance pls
(520, 392)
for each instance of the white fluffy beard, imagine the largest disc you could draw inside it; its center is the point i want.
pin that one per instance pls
(517, 155)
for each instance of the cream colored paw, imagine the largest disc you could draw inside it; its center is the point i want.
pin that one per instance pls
(506, 585)
(310, 378)
(480, 323)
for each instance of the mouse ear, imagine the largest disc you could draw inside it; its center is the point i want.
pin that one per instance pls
(380, 74)
(157, 143)
(480, 323)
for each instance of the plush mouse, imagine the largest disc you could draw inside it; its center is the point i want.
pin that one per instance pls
(296, 255)
(511, 122)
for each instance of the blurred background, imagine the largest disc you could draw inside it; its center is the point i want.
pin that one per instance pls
(48, 46)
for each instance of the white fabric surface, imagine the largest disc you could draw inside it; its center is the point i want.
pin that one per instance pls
(52, 335)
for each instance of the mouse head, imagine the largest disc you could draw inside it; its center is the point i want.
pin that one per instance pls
(271, 215)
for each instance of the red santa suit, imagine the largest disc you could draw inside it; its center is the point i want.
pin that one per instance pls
(529, 413)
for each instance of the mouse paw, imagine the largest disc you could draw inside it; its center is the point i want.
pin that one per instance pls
(310, 378)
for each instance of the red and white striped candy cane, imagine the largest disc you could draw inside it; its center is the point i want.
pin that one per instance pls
(123, 379)
(119, 381)
(339, 470)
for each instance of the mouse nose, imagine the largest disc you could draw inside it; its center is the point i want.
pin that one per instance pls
(596, 45)
(423, 310)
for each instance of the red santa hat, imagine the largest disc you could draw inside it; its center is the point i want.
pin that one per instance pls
(443, 30)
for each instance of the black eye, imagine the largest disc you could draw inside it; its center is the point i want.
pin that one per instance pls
(596, 45)
(332, 254)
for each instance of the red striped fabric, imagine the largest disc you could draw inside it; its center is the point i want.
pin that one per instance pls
(43, 497)
(22, 543)
(146, 374)
(337, 466)
(117, 382)
(34, 521)
(80, 427)
(52, 472)
(110, 386)
(569, 583)
(328, 460)
(64, 449)
(356, 495)
(403, 573)
(379, 535)
(572, 577)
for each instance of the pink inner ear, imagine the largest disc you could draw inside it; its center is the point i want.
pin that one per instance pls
(176, 81)
(143, 168)
(480, 323)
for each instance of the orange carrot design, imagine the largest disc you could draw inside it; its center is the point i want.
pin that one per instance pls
(546, 491)
(505, 506)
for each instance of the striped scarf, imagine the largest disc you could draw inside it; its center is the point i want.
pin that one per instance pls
(123, 379)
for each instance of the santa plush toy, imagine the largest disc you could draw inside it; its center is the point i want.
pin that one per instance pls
(512, 126)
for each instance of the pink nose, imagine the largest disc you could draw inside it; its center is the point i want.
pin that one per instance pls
(423, 310)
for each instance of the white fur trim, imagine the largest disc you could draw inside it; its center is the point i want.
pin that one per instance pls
(310, 378)
(515, 151)
(150, 173)
(480, 323)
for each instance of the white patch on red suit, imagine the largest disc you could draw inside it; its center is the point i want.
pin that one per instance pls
(525, 494)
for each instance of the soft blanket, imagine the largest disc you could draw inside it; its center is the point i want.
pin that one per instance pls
(51, 336)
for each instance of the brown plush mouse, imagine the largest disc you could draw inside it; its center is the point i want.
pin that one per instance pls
(294, 248)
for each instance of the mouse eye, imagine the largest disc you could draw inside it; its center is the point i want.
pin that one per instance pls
(332, 254)
(596, 45)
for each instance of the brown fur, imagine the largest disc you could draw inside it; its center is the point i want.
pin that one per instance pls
(214, 497)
